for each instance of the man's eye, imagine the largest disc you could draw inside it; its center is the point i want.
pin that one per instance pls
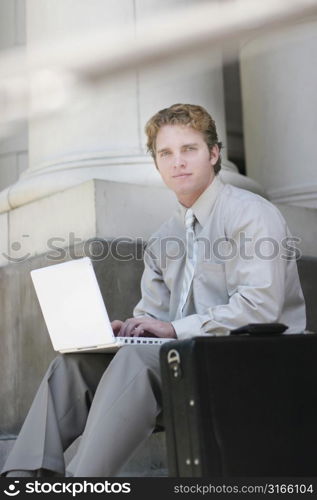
(165, 153)
(190, 148)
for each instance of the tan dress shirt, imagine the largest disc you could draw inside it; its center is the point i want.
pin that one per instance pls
(245, 271)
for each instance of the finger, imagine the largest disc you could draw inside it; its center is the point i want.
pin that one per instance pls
(147, 328)
(129, 332)
(140, 331)
(116, 325)
(128, 326)
(123, 329)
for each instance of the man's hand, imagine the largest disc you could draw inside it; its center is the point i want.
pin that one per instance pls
(142, 327)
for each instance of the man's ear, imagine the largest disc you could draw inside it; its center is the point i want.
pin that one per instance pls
(214, 154)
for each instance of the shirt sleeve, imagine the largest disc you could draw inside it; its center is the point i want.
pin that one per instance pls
(255, 276)
(155, 299)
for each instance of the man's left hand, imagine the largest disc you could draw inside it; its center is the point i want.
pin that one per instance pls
(141, 327)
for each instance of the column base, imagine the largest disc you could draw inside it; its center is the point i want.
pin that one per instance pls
(95, 208)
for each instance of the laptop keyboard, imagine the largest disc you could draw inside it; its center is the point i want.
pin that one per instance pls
(141, 340)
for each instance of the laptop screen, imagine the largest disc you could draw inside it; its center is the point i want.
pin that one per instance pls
(72, 305)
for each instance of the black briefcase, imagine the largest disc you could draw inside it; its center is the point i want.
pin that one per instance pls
(241, 406)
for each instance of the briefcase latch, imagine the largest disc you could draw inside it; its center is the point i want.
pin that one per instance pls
(174, 362)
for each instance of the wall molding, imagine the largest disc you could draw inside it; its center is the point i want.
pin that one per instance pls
(304, 195)
(63, 173)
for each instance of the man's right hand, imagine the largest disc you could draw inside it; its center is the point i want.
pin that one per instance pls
(116, 326)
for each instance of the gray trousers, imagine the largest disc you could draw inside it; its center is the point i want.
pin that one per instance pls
(113, 401)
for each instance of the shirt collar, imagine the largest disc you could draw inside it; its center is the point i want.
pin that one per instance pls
(205, 203)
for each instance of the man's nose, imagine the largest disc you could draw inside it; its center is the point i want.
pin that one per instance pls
(179, 160)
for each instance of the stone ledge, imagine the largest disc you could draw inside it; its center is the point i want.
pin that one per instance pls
(149, 460)
(93, 209)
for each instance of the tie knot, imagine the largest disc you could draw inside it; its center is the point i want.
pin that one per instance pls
(189, 219)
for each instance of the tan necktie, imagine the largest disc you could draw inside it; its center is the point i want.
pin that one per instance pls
(190, 261)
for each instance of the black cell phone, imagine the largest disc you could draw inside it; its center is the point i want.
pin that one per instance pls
(260, 329)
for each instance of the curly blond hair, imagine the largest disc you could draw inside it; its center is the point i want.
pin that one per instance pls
(184, 114)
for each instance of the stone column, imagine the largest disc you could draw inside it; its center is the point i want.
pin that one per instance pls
(279, 81)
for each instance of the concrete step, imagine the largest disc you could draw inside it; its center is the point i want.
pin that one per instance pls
(148, 461)
(6, 444)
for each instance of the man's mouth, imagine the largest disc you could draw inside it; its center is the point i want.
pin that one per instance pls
(181, 175)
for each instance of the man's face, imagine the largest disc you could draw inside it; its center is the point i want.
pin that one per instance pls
(185, 162)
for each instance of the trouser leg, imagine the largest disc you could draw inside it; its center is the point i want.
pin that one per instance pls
(58, 413)
(123, 414)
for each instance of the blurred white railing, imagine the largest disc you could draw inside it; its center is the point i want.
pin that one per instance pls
(40, 80)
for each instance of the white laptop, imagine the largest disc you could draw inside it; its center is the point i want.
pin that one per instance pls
(74, 309)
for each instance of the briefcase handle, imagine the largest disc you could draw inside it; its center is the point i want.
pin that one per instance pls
(260, 329)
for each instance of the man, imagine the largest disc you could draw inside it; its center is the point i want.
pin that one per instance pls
(221, 261)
